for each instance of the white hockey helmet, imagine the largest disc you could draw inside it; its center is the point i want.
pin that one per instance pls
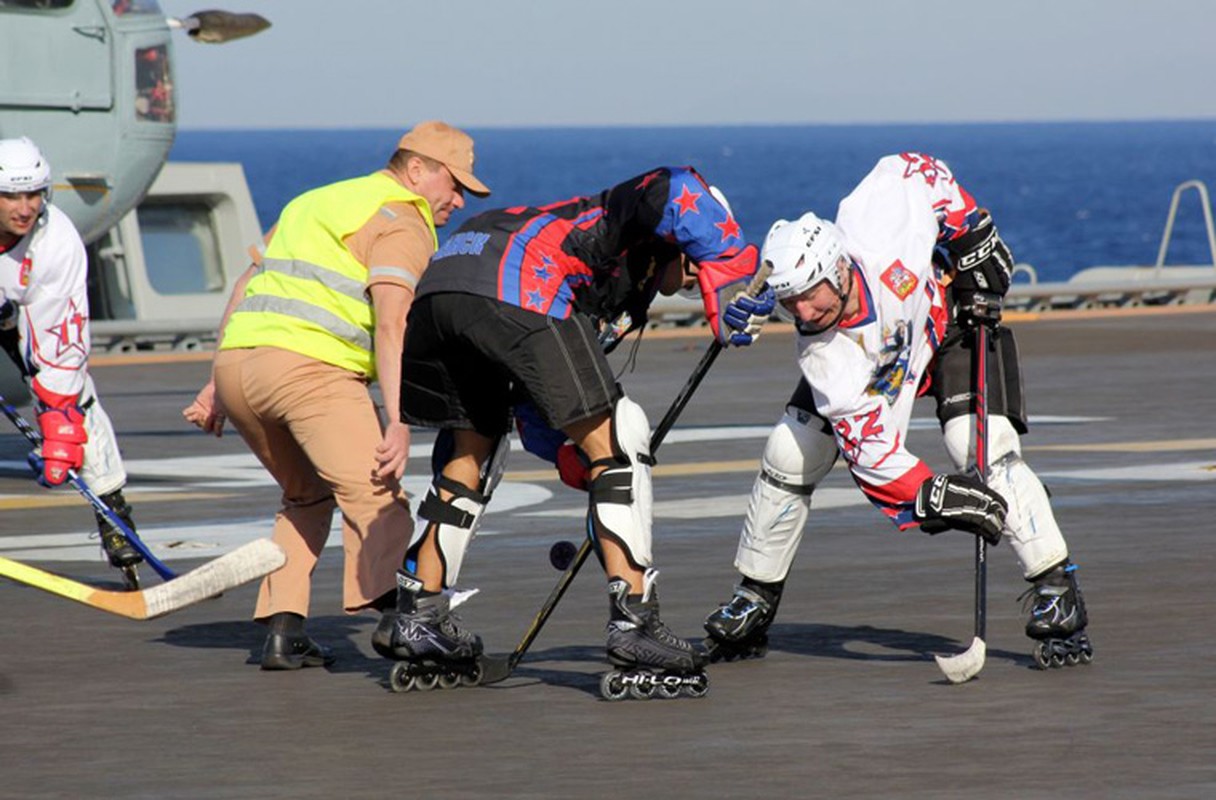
(802, 254)
(23, 168)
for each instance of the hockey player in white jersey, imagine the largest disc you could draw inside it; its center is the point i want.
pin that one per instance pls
(883, 301)
(44, 326)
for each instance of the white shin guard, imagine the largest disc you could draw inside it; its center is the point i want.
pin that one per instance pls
(102, 470)
(1030, 525)
(454, 522)
(797, 456)
(620, 505)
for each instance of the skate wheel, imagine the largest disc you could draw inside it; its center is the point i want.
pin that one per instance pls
(424, 683)
(641, 690)
(668, 691)
(1087, 656)
(699, 687)
(473, 678)
(1041, 658)
(449, 680)
(1072, 659)
(400, 680)
(612, 687)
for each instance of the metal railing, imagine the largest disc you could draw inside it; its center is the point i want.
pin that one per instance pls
(1128, 286)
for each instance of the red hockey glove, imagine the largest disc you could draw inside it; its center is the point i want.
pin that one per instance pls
(63, 434)
(720, 281)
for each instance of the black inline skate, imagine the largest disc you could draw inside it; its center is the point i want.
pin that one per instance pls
(1058, 619)
(425, 638)
(118, 549)
(649, 660)
(738, 629)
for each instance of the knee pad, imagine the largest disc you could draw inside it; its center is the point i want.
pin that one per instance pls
(1030, 524)
(959, 435)
(621, 504)
(799, 453)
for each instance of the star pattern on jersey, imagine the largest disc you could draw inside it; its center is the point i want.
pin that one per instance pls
(544, 270)
(928, 168)
(535, 299)
(730, 228)
(687, 201)
(69, 331)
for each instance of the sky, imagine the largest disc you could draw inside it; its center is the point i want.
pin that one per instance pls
(542, 63)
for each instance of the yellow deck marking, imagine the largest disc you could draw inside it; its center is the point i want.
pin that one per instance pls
(58, 500)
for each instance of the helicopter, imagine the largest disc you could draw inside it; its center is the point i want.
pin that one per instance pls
(91, 82)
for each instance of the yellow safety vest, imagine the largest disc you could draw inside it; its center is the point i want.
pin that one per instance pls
(308, 295)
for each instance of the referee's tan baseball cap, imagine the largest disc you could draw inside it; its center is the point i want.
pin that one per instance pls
(449, 146)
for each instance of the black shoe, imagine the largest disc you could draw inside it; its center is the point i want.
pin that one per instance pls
(117, 547)
(294, 651)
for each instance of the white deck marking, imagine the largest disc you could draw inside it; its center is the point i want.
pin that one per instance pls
(242, 471)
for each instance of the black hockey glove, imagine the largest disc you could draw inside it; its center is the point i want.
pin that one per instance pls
(982, 267)
(963, 503)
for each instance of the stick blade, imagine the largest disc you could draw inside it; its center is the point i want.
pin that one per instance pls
(966, 665)
(246, 563)
(495, 669)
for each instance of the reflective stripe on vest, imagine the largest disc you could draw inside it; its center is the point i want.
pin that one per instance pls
(309, 295)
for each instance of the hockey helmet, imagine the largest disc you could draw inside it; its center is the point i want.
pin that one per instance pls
(23, 168)
(802, 254)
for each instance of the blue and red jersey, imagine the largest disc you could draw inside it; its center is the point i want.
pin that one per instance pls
(600, 254)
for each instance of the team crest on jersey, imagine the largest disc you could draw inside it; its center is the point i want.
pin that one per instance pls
(27, 265)
(892, 370)
(899, 280)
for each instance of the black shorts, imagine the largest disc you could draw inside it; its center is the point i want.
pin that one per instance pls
(951, 384)
(952, 378)
(468, 359)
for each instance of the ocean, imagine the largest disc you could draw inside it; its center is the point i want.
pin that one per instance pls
(1065, 196)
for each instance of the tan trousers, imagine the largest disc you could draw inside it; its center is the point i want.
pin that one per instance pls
(314, 427)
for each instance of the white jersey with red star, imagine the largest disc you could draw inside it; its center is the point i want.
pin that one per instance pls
(44, 274)
(866, 372)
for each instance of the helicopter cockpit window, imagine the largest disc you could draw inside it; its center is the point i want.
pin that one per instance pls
(121, 7)
(35, 5)
(180, 248)
(153, 85)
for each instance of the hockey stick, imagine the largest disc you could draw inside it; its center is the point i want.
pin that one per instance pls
(967, 664)
(499, 668)
(98, 504)
(246, 563)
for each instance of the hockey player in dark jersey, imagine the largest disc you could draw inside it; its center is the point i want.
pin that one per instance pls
(517, 309)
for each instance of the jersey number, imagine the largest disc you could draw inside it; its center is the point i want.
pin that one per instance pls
(853, 432)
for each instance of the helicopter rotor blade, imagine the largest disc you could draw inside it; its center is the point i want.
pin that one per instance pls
(216, 27)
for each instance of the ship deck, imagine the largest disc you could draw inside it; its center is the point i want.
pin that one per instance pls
(848, 702)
